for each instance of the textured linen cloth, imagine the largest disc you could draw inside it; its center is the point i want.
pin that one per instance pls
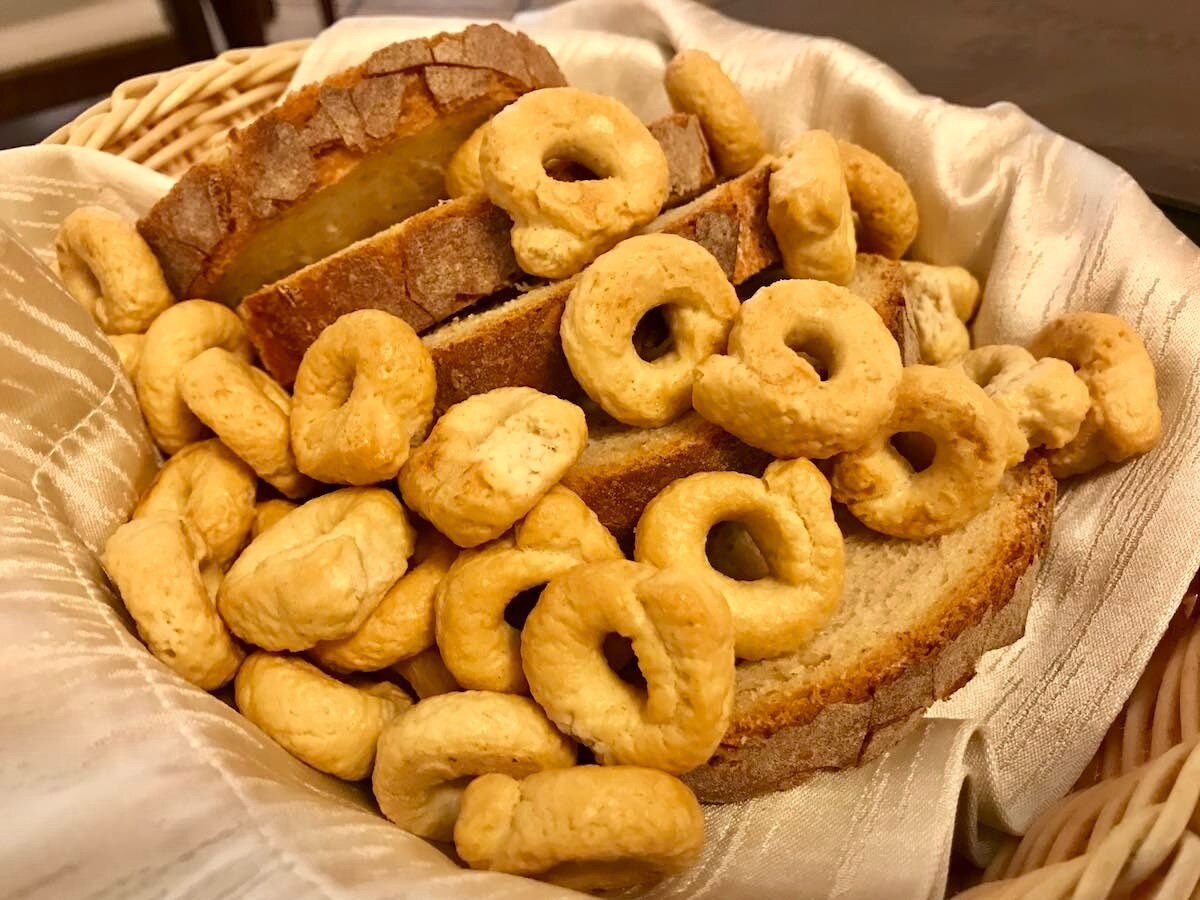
(117, 779)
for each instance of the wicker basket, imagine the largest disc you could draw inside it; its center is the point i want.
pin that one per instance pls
(169, 120)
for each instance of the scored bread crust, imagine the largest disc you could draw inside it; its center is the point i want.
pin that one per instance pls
(855, 708)
(318, 136)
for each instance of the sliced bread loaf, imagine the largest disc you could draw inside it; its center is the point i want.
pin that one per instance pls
(337, 161)
(914, 620)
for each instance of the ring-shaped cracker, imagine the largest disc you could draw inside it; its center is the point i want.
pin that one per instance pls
(771, 397)
(789, 516)
(879, 485)
(886, 208)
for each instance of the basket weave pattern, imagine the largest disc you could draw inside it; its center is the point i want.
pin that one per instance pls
(169, 120)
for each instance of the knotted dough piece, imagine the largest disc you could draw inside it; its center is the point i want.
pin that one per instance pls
(770, 396)
(267, 513)
(364, 392)
(463, 177)
(1110, 358)
(682, 634)
(109, 268)
(213, 490)
(177, 337)
(426, 755)
(588, 828)
(489, 459)
(318, 573)
(248, 410)
(610, 299)
(329, 724)
(561, 226)
(478, 645)
(696, 84)
(789, 516)
(809, 211)
(879, 195)
(402, 624)
(1044, 400)
(129, 351)
(426, 674)
(970, 433)
(155, 561)
(939, 300)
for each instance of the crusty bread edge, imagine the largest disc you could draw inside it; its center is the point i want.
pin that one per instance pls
(991, 613)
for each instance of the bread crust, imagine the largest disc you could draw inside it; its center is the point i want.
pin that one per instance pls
(858, 710)
(319, 134)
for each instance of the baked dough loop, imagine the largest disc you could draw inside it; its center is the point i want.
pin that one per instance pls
(970, 434)
(588, 828)
(129, 351)
(478, 644)
(770, 396)
(789, 516)
(808, 209)
(329, 724)
(156, 563)
(1044, 400)
(463, 177)
(248, 410)
(697, 84)
(610, 299)
(489, 459)
(682, 634)
(886, 209)
(426, 755)
(108, 267)
(364, 392)
(426, 674)
(561, 226)
(177, 337)
(320, 572)
(267, 513)
(1110, 358)
(213, 490)
(402, 624)
(940, 300)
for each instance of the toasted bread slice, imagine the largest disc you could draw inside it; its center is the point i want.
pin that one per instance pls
(427, 268)
(914, 620)
(337, 161)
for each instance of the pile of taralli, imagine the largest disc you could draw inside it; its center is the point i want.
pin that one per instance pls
(363, 560)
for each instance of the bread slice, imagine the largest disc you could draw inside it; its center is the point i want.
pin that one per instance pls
(337, 161)
(915, 618)
(427, 268)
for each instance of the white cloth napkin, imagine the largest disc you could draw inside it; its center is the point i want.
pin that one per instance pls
(117, 779)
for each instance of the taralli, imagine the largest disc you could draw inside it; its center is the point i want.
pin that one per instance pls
(213, 490)
(267, 513)
(478, 644)
(971, 436)
(320, 572)
(248, 410)
(809, 210)
(1044, 400)
(402, 623)
(1110, 358)
(177, 337)
(489, 459)
(426, 674)
(773, 398)
(331, 725)
(363, 394)
(426, 755)
(940, 300)
(789, 516)
(696, 84)
(108, 267)
(682, 634)
(129, 351)
(561, 226)
(155, 563)
(588, 828)
(608, 302)
(462, 174)
(887, 211)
